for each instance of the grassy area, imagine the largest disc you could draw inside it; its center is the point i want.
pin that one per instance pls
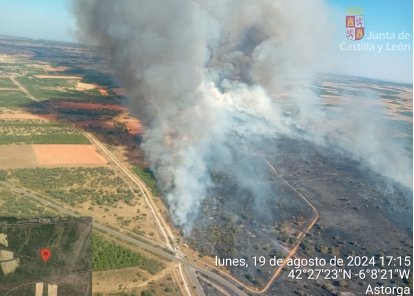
(148, 177)
(33, 82)
(7, 83)
(76, 185)
(67, 94)
(44, 139)
(60, 89)
(14, 205)
(165, 286)
(39, 132)
(32, 124)
(13, 99)
(108, 255)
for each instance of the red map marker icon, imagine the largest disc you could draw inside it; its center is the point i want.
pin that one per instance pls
(45, 253)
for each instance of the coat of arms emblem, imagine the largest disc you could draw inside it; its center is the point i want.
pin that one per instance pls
(355, 27)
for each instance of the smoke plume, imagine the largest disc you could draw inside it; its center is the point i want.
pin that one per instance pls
(209, 78)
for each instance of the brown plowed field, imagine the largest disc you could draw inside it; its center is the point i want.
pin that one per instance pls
(67, 155)
(45, 155)
(27, 116)
(17, 157)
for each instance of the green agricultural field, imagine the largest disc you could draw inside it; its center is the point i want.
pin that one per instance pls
(7, 83)
(88, 96)
(76, 185)
(148, 177)
(39, 132)
(41, 124)
(44, 139)
(108, 255)
(32, 82)
(60, 89)
(13, 99)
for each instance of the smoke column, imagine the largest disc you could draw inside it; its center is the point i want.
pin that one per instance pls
(208, 77)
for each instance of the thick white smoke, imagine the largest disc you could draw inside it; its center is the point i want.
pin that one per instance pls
(204, 74)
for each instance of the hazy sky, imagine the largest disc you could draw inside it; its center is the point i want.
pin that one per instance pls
(38, 19)
(51, 19)
(381, 16)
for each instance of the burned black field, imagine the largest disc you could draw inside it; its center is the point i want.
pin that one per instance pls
(360, 213)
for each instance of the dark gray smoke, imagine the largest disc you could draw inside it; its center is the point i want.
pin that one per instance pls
(207, 76)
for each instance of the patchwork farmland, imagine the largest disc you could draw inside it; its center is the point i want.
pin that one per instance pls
(48, 115)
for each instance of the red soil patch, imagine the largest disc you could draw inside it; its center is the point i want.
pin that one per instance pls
(103, 92)
(51, 155)
(133, 125)
(86, 106)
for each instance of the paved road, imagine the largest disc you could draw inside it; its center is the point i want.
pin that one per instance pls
(142, 187)
(192, 274)
(99, 226)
